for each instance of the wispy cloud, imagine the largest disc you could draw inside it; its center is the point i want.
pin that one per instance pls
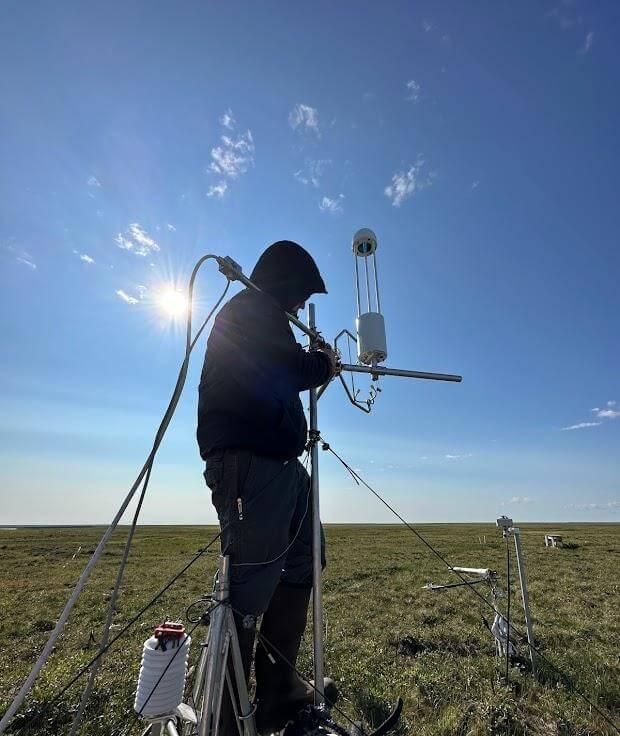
(613, 506)
(605, 413)
(518, 501)
(171, 228)
(413, 90)
(563, 16)
(333, 206)
(566, 16)
(608, 412)
(84, 257)
(449, 456)
(93, 182)
(475, 184)
(234, 156)
(126, 297)
(19, 255)
(228, 119)
(304, 118)
(587, 43)
(405, 184)
(27, 261)
(312, 171)
(427, 25)
(217, 190)
(136, 240)
(581, 425)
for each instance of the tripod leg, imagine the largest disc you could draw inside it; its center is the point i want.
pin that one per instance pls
(214, 674)
(221, 706)
(245, 713)
(233, 703)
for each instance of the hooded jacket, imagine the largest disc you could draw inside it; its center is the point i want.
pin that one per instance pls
(254, 369)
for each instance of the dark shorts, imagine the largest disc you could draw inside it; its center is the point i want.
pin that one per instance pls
(265, 512)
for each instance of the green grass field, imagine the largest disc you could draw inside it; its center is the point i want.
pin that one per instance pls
(386, 635)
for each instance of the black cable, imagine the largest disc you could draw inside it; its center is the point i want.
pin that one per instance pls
(123, 631)
(145, 608)
(430, 586)
(292, 540)
(565, 678)
(161, 677)
(268, 645)
(358, 479)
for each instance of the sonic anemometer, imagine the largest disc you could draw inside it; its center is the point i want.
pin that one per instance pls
(369, 324)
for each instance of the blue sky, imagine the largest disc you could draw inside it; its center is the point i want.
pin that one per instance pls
(478, 140)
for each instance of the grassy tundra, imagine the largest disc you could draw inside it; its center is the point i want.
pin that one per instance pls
(386, 636)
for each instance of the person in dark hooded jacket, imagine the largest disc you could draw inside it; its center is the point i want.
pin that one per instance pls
(251, 431)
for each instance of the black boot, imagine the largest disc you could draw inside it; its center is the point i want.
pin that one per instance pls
(280, 692)
(228, 725)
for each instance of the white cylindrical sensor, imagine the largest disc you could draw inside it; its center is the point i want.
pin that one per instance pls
(160, 690)
(371, 340)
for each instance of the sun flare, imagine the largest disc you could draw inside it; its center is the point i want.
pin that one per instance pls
(172, 302)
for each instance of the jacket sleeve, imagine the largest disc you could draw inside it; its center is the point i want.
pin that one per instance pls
(273, 346)
(313, 370)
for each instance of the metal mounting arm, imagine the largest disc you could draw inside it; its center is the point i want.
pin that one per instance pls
(375, 371)
(379, 370)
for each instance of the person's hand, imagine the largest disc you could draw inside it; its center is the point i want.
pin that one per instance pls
(328, 350)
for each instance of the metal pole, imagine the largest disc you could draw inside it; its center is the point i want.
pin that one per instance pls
(216, 664)
(525, 597)
(378, 370)
(374, 263)
(357, 285)
(317, 568)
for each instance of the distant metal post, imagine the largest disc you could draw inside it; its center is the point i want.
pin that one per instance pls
(524, 595)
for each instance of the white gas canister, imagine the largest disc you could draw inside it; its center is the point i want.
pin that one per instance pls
(163, 671)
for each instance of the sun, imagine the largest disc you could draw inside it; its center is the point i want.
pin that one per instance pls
(172, 302)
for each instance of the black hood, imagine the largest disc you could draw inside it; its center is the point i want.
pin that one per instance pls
(288, 272)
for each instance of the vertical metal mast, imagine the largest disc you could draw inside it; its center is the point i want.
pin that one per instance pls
(525, 597)
(317, 568)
